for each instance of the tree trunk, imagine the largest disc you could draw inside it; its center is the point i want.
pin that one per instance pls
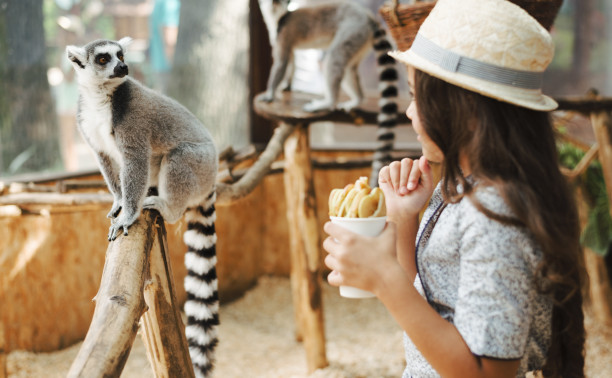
(210, 72)
(583, 36)
(29, 133)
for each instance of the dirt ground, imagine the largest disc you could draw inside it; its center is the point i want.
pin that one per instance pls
(257, 340)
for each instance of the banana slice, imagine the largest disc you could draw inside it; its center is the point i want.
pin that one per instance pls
(335, 199)
(354, 208)
(357, 201)
(381, 210)
(346, 203)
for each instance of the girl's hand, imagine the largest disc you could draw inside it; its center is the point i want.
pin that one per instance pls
(407, 185)
(359, 261)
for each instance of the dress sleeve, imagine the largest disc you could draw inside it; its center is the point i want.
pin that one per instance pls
(492, 309)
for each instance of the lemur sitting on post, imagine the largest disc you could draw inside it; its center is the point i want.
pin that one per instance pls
(145, 140)
(347, 31)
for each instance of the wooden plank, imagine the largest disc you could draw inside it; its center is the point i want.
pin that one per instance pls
(119, 303)
(163, 329)
(305, 247)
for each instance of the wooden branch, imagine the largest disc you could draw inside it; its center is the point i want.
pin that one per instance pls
(56, 199)
(119, 303)
(584, 163)
(584, 105)
(163, 330)
(230, 192)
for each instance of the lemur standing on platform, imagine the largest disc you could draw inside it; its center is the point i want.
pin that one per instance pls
(144, 142)
(347, 31)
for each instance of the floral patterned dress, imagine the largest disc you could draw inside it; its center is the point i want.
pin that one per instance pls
(478, 274)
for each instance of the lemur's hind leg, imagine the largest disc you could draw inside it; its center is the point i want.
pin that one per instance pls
(333, 70)
(345, 52)
(287, 82)
(181, 182)
(352, 87)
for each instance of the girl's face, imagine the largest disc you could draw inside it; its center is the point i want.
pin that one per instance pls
(431, 151)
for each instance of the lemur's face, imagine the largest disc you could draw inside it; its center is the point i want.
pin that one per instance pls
(99, 62)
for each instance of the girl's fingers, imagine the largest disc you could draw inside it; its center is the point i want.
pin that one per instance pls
(426, 174)
(415, 175)
(406, 166)
(334, 278)
(394, 173)
(383, 175)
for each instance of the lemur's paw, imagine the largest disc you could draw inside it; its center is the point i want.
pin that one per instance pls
(317, 106)
(268, 97)
(348, 106)
(119, 224)
(114, 211)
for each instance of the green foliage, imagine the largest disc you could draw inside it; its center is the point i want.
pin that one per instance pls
(597, 234)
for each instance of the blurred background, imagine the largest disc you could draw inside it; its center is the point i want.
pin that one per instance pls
(213, 56)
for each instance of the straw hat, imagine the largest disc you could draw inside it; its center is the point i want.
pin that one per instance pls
(491, 47)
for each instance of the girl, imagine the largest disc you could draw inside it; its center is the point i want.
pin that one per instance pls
(488, 285)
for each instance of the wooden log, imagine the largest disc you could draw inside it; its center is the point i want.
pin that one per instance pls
(163, 330)
(119, 303)
(601, 293)
(305, 247)
(602, 126)
(584, 105)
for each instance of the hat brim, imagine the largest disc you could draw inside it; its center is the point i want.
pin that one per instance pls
(528, 98)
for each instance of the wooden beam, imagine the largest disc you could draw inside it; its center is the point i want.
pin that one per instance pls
(305, 247)
(584, 105)
(119, 303)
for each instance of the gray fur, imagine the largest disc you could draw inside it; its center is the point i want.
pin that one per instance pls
(345, 29)
(142, 139)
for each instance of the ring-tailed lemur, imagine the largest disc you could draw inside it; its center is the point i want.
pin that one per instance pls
(348, 31)
(145, 140)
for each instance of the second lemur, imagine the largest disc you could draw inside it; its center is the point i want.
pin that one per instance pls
(347, 31)
(145, 140)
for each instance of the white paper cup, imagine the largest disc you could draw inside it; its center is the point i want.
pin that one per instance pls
(362, 226)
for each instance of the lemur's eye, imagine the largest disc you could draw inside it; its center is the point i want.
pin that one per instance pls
(102, 59)
(120, 56)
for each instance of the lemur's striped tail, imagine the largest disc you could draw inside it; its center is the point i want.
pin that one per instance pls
(202, 306)
(387, 104)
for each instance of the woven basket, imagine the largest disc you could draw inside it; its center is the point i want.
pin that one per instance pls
(404, 20)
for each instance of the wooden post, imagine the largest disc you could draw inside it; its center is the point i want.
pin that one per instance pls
(131, 262)
(163, 330)
(305, 247)
(602, 126)
(600, 291)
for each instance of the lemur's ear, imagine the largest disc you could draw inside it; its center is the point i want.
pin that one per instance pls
(76, 55)
(125, 42)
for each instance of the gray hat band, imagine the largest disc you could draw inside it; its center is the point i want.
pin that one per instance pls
(454, 62)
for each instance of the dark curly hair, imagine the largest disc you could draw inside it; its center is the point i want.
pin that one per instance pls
(513, 149)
